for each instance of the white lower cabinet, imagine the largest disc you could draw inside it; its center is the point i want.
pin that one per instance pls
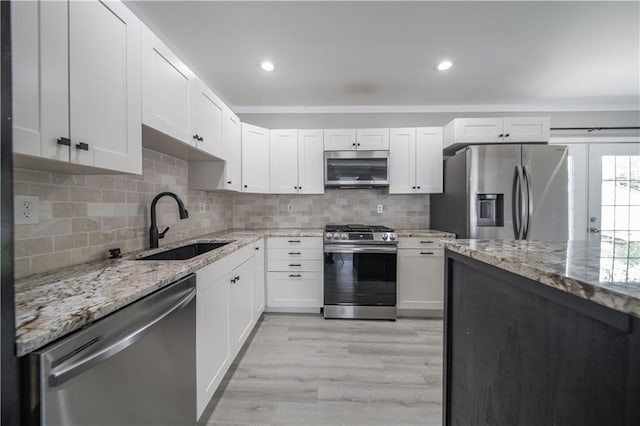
(225, 312)
(420, 277)
(258, 279)
(295, 274)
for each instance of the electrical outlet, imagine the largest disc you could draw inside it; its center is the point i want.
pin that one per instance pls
(26, 210)
(379, 208)
(203, 207)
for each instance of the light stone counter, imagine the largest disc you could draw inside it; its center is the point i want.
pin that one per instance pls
(423, 233)
(54, 304)
(603, 272)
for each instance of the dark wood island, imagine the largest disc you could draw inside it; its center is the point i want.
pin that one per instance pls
(540, 333)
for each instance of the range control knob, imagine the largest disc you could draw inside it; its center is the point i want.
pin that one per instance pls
(392, 237)
(329, 235)
(343, 236)
(385, 236)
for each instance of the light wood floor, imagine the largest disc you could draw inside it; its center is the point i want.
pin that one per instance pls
(305, 370)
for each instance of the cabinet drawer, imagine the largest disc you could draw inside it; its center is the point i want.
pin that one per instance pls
(294, 254)
(295, 289)
(294, 265)
(418, 243)
(424, 252)
(295, 242)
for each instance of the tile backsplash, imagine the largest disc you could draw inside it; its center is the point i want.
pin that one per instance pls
(81, 216)
(255, 211)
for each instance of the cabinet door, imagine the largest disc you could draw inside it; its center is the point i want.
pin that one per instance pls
(526, 129)
(402, 161)
(166, 89)
(255, 159)
(206, 122)
(213, 349)
(310, 162)
(258, 279)
(372, 139)
(284, 161)
(104, 86)
(421, 279)
(241, 303)
(479, 130)
(232, 141)
(428, 160)
(40, 78)
(295, 289)
(339, 139)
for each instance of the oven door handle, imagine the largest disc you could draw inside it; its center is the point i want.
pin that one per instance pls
(350, 248)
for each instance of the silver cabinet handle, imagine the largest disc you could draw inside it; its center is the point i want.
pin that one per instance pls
(64, 372)
(594, 230)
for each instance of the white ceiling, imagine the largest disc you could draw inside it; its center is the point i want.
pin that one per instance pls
(579, 54)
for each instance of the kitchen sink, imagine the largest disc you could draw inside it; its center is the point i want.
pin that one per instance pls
(185, 252)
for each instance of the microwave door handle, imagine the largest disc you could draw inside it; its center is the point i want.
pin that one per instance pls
(516, 195)
(529, 202)
(65, 372)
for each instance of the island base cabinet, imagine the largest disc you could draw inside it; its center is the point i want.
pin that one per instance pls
(518, 352)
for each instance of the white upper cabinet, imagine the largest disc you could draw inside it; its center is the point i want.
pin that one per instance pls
(207, 122)
(77, 86)
(310, 162)
(232, 143)
(255, 159)
(166, 89)
(296, 162)
(356, 139)
(372, 139)
(429, 160)
(526, 129)
(415, 160)
(284, 161)
(339, 139)
(462, 132)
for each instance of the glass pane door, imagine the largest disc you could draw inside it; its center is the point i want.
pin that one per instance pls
(614, 206)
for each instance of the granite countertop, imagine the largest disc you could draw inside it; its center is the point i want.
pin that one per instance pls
(604, 272)
(56, 303)
(423, 233)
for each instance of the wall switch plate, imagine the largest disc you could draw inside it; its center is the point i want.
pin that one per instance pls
(26, 210)
(203, 207)
(379, 209)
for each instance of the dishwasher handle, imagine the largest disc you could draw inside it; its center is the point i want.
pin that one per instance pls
(65, 372)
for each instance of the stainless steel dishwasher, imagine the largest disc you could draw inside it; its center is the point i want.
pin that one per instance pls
(133, 367)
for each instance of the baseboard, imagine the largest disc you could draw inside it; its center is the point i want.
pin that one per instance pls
(420, 313)
(293, 310)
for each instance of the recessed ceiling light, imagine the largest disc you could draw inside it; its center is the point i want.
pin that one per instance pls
(267, 66)
(444, 65)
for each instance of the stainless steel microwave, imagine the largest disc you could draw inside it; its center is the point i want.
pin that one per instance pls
(353, 169)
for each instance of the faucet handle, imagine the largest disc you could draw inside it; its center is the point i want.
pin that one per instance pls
(161, 234)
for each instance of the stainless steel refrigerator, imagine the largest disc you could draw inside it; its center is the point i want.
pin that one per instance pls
(505, 192)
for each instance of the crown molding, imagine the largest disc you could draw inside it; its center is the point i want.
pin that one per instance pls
(392, 109)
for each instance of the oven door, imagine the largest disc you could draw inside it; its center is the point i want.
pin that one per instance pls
(360, 275)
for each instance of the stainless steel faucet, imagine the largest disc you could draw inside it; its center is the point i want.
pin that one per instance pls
(154, 235)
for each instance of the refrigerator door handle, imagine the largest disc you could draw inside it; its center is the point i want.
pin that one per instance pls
(529, 204)
(516, 203)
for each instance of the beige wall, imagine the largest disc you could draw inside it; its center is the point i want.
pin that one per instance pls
(81, 217)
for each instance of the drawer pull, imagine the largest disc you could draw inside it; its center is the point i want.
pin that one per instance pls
(294, 252)
(426, 252)
(295, 264)
(295, 276)
(294, 241)
(426, 242)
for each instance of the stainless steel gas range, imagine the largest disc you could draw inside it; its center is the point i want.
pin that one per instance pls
(360, 272)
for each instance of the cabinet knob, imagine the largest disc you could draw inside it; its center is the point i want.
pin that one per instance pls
(295, 187)
(245, 186)
(83, 146)
(506, 135)
(196, 137)
(201, 138)
(500, 135)
(64, 141)
(237, 278)
(229, 182)
(418, 187)
(354, 144)
(413, 187)
(358, 143)
(300, 188)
